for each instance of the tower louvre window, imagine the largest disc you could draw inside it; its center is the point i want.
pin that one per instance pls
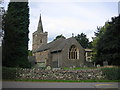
(41, 41)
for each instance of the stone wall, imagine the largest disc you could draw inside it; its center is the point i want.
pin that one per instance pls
(42, 56)
(66, 62)
(32, 60)
(39, 38)
(37, 74)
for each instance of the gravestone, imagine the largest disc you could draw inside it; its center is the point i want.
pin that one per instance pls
(98, 65)
(105, 63)
(48, 68)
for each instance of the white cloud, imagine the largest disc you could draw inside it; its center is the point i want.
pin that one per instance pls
(73, 0)
(69, 17)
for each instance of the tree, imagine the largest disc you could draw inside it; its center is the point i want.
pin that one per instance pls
(15, 41)
(1, 20)
(108, 44)
(83, 40)
(59, 36)
(98, 35)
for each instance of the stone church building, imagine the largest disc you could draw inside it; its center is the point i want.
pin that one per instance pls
(58, 53)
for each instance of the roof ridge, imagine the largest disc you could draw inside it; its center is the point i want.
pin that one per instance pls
(50, 45)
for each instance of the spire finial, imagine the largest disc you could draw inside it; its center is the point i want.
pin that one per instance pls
(40, 27)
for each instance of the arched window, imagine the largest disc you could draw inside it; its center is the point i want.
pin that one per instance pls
(73, 52)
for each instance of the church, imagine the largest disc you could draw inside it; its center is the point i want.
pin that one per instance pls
(58, 53)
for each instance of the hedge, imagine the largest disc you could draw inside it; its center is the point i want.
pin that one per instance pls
(111, 73)
(9, 73)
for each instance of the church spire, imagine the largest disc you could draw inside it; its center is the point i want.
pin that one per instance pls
(40, 27)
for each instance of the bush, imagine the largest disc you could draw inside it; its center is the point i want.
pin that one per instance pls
(9, 73)
(112, 73)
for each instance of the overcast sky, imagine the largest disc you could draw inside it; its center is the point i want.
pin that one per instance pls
(75, 16)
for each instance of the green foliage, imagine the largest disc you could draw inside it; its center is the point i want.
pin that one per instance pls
(9, 73)
(111, 73)
(59, 36)
(83, 40)
(106, 43)
(29, 53)
(15, 41)
(98, 35)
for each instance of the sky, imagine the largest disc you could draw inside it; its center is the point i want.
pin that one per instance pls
(69, 16)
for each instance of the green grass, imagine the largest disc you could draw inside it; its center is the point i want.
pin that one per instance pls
(66, 80)
(78, 68)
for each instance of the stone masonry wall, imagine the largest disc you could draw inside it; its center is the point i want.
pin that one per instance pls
(37, 74)
(42, 56)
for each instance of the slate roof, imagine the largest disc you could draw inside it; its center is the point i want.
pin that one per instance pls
(56, 45)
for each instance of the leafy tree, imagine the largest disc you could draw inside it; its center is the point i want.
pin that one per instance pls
(15, 41)
(1, 20)
(98, 35)
(108, 44)
(83, 40)
(59, 36)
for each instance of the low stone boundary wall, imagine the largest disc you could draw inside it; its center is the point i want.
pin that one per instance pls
(38, 74)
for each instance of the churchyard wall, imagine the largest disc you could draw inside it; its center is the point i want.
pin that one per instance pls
(38, 74)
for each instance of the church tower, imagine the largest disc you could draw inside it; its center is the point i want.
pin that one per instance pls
(39, 37)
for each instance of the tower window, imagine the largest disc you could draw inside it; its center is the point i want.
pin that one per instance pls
(73, 52)
(41, 41)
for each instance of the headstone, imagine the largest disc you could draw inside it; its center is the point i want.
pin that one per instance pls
(105, 63)
(74, 66)
(94, 64)
(71, 67)
(48, 68)
(98, 65)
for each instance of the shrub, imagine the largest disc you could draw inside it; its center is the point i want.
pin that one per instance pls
(9, 73)
(111, 73)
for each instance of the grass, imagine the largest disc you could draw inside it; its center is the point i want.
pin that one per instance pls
(78, 68)
(66, 80)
